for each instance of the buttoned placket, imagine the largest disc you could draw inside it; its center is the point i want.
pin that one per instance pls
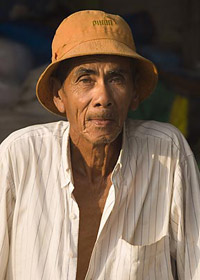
(74, 220)
(71, 210)
(72, 223)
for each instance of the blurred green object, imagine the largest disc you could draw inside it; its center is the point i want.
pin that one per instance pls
(157, 107)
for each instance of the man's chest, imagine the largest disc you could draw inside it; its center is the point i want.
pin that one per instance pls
(91, 200)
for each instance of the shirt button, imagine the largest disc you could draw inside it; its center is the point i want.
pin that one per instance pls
(72, 255)
(73, 216)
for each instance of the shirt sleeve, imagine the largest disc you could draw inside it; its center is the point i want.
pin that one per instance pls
(185, 220)
(7, 202)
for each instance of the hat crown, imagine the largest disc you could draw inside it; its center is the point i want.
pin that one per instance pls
(90, 25)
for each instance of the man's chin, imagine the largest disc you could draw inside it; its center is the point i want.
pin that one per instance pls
(102, 139)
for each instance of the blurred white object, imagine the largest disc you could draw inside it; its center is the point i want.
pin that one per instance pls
(28, 101)
(29, 104)
(15, 64)
(9, 94)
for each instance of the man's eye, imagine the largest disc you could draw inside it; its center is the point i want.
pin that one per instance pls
(117, 79)
(85, 80)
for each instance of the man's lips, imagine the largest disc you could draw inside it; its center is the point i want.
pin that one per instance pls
(101, 120)
(101, 116)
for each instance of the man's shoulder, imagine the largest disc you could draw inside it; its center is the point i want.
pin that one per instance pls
(156, 131)
(152, 128)
(47, 130)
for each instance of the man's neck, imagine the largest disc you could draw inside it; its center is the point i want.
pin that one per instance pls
(94, 161)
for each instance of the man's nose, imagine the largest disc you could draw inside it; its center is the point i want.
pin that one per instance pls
(102, 96)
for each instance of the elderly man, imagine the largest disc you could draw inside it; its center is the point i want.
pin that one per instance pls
(98, 196)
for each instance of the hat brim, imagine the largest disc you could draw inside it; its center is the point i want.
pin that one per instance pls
(147, 78)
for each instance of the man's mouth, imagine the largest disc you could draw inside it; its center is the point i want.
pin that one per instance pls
(101, 120)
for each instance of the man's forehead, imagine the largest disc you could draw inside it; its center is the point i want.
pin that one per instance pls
(107, 61)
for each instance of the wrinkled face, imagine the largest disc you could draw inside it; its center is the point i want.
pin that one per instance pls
(96, 96)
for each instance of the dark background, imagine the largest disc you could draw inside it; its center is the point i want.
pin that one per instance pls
(167, 32)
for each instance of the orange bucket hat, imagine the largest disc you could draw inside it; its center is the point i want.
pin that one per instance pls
(91, 32)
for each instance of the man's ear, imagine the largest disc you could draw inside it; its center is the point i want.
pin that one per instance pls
(57, 94)
(135, 101)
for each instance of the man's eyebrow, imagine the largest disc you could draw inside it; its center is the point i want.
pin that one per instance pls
(84, 71)
(117, 71)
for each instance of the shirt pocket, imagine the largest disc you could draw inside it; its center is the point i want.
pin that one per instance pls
(148, 262)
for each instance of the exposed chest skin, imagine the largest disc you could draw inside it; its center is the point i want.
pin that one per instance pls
(91, 200)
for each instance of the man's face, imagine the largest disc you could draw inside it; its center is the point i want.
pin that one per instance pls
(96, 96)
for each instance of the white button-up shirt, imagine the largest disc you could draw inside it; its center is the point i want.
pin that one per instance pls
(150, 224)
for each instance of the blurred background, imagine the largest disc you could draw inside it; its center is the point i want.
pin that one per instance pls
(166, 32)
